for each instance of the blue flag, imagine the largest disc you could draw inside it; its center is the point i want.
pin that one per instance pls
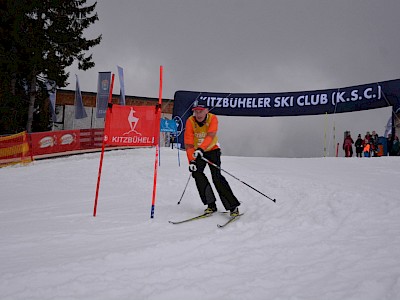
(80, 111)
(122, 85)
(52, 98)
(168, 125)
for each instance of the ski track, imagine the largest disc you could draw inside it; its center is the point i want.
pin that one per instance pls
(332, 234)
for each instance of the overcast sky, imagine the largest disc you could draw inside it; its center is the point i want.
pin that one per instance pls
(252, 46)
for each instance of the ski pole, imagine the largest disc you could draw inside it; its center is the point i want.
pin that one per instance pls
(179, 202)
(218, 167)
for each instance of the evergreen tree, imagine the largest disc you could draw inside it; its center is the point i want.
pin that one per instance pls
(39, 40)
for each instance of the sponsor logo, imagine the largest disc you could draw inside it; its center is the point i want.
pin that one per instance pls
(67, 139)
(133, 121)
(132, 136)
(47, 141)
(104, 84)
(132, 140)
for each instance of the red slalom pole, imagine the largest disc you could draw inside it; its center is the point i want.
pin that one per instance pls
(157, 136)
(102, 152)
(337, 149)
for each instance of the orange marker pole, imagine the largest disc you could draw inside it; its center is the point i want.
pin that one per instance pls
(157, 137)
(102, 152)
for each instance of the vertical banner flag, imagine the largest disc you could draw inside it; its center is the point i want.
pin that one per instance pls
(52, 98)
(103, 90)
(122, 85)
(388, 128)
(130, 126)
(172, 127)
(167, 126)
(80, 111)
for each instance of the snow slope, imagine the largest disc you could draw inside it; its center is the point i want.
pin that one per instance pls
(334, 232)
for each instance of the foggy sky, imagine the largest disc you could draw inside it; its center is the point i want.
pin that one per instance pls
(253, 46)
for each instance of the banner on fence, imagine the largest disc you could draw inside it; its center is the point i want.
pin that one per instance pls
(50, 142)
(130, 126)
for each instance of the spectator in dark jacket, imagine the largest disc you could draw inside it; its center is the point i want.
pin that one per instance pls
(374, 142)
(389, 144)
(359, 146)
(396, 147)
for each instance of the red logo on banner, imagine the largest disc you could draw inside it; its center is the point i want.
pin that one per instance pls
(130, 126)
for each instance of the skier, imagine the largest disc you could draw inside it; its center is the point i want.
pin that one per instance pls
(201, 140)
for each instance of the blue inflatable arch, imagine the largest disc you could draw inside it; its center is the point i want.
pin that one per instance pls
(340, 100)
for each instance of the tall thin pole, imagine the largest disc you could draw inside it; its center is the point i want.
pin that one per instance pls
(102, 153)
(325, 127)
(393, 124)
(334, 137)
(157, 136)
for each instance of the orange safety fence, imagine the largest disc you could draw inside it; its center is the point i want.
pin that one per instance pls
(15, 149)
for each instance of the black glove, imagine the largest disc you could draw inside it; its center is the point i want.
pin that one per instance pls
(192, 166)
(198, 153)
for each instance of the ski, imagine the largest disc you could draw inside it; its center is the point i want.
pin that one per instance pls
(231, 219)
(202, 216)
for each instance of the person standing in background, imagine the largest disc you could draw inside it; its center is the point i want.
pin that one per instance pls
(389, 144)
(359, 146)
(396, 147)
(348, 146)
(375, 142)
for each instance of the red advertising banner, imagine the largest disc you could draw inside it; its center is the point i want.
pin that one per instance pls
(55, 141)
(131, 126)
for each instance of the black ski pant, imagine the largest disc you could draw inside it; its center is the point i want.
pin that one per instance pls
(222, 186)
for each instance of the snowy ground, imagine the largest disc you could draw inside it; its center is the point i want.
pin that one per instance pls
(334, 232)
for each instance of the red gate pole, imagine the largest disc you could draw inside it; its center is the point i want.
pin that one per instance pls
(157, 136)
(102, 152)
(337, 149)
